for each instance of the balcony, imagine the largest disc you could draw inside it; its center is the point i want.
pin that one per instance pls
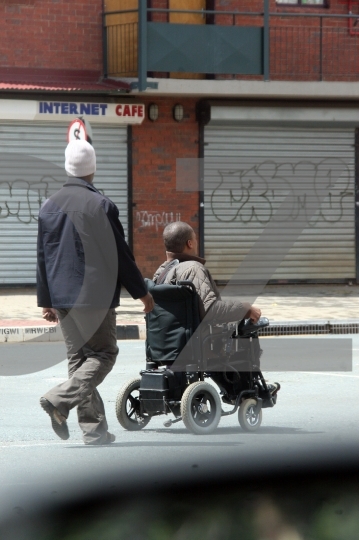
(284, 46)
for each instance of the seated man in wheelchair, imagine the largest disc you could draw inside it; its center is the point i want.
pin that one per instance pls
(183, 264)
(191, 335)
(181, 245)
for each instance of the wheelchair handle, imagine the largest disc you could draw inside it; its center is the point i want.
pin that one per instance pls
(188, 284)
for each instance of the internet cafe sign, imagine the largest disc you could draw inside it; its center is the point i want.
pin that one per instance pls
(52, 111)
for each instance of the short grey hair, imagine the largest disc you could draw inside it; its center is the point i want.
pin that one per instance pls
(175, 236)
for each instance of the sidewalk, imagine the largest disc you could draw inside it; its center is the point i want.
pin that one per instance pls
(297, 305)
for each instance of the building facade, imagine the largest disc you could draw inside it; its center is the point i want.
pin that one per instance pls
(238, 117)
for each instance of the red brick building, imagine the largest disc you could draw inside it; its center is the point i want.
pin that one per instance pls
(50, 34)
(269, 103)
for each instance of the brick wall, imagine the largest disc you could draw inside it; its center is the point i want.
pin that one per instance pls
(63, 34)
(156, 145)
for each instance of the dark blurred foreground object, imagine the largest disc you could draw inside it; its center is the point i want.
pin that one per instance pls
(316, 497)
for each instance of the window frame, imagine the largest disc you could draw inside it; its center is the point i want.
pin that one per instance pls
(298, 3)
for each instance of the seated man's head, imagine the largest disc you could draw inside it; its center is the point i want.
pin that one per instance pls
(179, 237)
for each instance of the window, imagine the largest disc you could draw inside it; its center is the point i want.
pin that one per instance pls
(303, 2)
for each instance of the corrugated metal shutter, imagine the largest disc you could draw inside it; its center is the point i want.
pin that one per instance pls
(249, 171)
(32, 168)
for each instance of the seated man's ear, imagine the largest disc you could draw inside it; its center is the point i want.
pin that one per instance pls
(189, 244)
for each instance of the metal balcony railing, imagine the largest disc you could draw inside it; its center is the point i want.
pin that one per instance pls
(158, 47)
(267, 46)
(122, 49)
(316, 52)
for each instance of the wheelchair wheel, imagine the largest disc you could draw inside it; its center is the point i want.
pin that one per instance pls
(128, 406)
(249, 419)
(200, 408)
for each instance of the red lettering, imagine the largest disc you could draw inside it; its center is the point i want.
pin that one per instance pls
(141, 111)
(134, 110)
(119, 110)
(126, 110)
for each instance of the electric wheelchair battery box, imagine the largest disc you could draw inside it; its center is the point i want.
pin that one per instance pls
(158, 386)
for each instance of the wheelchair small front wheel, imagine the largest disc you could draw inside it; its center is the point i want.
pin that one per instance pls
(248, 417)
(128, 406)
(201, 408)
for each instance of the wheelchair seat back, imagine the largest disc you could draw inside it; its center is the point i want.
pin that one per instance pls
(172, 322)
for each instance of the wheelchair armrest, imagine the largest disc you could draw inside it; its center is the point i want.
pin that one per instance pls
(246, 326)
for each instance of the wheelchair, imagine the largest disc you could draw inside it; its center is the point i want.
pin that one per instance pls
(181, 353)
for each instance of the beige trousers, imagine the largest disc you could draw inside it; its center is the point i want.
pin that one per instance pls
(91, 342)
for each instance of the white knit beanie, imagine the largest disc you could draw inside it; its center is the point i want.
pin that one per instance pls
(80, 158)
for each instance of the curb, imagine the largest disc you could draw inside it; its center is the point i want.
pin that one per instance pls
(45, 334)
(131, 331)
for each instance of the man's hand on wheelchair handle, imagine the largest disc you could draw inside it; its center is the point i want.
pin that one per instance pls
(49, 314)
(254, 314)
(148, 302)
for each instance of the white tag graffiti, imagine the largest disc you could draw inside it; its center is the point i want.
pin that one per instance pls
(156, 219)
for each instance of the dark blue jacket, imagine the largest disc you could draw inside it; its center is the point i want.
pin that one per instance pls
(82, 255)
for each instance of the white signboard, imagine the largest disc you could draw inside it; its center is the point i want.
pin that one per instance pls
(52, 111)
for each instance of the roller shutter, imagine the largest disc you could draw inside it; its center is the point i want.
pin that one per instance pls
(32, 168)
(249, 170)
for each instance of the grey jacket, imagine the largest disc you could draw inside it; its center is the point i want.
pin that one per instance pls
(192, 269)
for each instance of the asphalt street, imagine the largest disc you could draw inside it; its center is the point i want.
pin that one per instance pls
(314, 410)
